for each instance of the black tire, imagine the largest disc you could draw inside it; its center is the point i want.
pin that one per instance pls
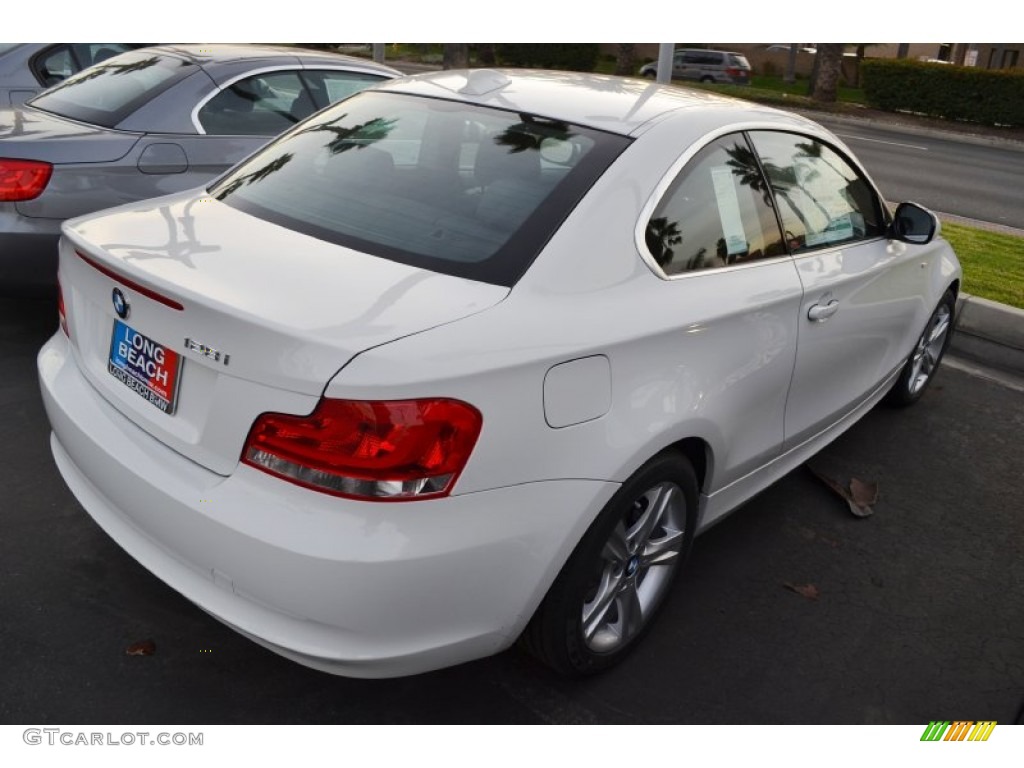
(919, 370)
(609, 563)
(707, 79)
(650, 75)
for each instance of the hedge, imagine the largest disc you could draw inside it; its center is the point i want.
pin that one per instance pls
(581, 57)
(991, 97)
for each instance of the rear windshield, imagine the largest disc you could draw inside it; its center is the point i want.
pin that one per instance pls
(105, 94)
(736, 60)
(456, 188)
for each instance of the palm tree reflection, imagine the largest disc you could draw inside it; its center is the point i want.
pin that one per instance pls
(252, 177)
(661, 236)
(357, 136)
(107, 68)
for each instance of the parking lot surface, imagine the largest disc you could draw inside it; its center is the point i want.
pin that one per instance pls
(917, 616)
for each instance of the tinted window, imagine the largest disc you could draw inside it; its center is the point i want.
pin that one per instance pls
(703, 57)
(329, 86)
(452, 187)
(110, 91)
(55, 65)
(822, 199)
(716, 213)
(88, 54)
(261, 105)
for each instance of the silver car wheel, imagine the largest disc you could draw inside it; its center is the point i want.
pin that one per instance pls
(636, 567)
(929, 349)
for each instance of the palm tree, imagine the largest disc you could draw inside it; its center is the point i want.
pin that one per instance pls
(625, 62)
(829, 64)
(456, 56)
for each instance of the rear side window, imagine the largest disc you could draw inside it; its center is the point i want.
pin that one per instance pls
(456, 188)
(822, 199)
(55, 65)
(708, 58)
(261, 105)
(272, 102)
(715, 214)
(328, 86)
(107, 93)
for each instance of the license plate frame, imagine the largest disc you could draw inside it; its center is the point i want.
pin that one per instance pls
(150, 369)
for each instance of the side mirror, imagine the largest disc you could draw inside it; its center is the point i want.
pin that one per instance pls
(913, 224)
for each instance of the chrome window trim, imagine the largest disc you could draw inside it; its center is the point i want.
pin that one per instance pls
(661, 188)
(265, 70)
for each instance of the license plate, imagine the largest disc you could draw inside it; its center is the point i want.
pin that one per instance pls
(146, 367)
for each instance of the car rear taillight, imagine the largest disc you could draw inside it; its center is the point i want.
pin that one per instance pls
(23, 179)
(734, 72)
(62, 314)
(378, 449)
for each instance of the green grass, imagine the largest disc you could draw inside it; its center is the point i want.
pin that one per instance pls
(772, 90)
(993, 263)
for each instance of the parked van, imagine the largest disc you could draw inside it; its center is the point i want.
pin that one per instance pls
(706, 66)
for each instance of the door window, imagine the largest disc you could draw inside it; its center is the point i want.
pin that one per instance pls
(822, 199)
(261, 105)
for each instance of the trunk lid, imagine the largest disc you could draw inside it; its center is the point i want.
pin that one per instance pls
(31, 134)
(260, 316)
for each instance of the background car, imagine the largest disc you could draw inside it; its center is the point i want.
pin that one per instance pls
(146, 123)
(706, 66)
(471, 357)
(28, 68)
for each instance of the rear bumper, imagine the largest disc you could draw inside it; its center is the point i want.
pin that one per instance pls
(355, 588)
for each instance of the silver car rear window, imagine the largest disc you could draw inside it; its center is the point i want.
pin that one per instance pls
(105, 94)
(448, 186)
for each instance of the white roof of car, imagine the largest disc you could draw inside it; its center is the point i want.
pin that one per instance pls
(615, 104)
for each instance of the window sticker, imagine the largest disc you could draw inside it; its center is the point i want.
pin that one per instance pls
(838, 230)
(729, 210)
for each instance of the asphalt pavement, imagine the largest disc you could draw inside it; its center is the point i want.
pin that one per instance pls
(977, 178)
(917, 614)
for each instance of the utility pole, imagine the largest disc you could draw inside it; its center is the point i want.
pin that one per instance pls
(665, 62)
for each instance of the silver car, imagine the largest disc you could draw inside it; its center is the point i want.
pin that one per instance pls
(147, 123)
(28, 68)
(705, 66)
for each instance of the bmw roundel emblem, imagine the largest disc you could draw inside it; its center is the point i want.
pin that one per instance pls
(121, 305)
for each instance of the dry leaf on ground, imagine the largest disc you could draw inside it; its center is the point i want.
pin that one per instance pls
(859, 496)
(141, 648)
(804, 590)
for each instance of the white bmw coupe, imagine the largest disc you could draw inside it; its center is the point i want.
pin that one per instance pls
(471, 357)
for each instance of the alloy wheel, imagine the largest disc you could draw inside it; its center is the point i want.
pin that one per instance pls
(635, 568)
(929, 349)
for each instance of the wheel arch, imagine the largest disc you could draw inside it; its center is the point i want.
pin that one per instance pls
(700, 455)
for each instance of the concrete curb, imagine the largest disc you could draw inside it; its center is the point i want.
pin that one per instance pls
(990, 333)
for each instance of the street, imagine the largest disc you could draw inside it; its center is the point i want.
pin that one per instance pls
(917, 617)
(978, 182)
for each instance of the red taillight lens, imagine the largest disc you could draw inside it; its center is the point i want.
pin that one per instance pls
(380, 449)
(23, 179)
(62, 314)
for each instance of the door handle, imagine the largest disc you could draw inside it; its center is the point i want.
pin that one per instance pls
(819, 313)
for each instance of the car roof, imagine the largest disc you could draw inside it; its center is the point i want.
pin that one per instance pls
(224, 53)
(614, 104)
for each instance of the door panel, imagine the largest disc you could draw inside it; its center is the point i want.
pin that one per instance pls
(859, 292)
(872, 289)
